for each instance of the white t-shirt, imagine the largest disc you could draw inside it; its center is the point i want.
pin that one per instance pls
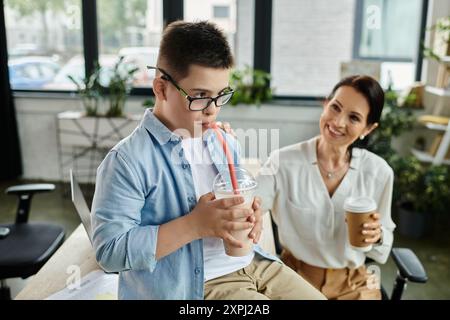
(216, 262)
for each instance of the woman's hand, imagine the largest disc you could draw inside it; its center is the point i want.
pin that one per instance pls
(225, 126)
(256, 218)
(372, 230)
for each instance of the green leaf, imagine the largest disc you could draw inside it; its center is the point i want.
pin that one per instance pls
(250, 86)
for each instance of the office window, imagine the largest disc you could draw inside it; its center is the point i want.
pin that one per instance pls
(43, 37)
(383, 35)
(131, 29)
(221, 12)
(311, 40)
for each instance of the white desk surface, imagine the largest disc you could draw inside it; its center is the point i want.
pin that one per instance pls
(52, 277)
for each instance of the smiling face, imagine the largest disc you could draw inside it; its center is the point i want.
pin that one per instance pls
(172, 107)
(344, 118)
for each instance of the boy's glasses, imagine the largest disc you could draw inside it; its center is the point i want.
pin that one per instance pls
(197, 104)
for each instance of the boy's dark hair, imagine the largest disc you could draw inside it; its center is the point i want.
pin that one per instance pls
(185, 43)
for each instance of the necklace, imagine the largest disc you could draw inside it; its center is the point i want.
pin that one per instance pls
(331, 174)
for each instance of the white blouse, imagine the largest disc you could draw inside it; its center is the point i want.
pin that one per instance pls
(311, 225)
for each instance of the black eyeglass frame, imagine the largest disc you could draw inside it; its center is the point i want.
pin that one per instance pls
(167, 77)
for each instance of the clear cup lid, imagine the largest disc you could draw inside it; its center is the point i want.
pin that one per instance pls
(245, 181)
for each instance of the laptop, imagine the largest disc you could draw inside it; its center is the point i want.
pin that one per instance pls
(80, 205)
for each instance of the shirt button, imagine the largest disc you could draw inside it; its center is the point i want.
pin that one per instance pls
(181, 153)
(185, 166)
(197, 270)
(191, 199)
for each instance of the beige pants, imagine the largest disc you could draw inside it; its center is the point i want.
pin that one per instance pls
(263, 279)
(337, 284)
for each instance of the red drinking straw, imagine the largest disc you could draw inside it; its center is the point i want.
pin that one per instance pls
(229, 158)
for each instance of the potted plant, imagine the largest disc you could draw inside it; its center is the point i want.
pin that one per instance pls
(251, 86)
(119, 87)
(440, 50)
(423, 194)
(441, 46)
(395, 120)
(89, 89)
(148, 103)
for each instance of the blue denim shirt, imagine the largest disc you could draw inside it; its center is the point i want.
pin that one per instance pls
(144, 182)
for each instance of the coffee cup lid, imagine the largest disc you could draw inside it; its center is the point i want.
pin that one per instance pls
(360, 204)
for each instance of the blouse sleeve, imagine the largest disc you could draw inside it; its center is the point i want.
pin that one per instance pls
(267, 185)
(380, 252)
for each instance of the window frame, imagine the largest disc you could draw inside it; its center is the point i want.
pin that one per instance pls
(263, 9)
(359, 15)
(217, 6)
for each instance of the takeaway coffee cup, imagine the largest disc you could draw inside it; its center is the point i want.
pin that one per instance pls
(223, 188)
(358, 211)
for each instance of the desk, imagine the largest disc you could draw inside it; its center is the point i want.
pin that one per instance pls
(77, 250)
(52, 277)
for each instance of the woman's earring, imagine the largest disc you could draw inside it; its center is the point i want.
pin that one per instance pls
(361, 137)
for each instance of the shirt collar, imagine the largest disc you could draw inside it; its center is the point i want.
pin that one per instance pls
(162, 134)
(312, 154)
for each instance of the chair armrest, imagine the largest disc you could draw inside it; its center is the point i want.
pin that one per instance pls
(30, 188)
(409, 265)
(25, 193)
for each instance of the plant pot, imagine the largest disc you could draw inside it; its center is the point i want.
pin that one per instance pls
(411, 223)
(116, 107)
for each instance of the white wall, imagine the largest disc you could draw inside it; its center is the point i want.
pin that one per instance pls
(38, 134)
(36, 117)
(203, 10)
(245, 35)
(307, 45)
(310, 39)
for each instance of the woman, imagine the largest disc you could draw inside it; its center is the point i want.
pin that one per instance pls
(305, 186)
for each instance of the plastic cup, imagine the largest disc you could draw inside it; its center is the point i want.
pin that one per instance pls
(358, 212)
(223, 188)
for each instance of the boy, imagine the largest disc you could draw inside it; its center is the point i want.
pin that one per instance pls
(149, 221)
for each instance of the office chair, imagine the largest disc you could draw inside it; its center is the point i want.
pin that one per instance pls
(26, 246)
(409, 268)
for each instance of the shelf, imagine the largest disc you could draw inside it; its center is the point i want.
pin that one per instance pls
(445, 60)
(432, 122)
(426, 157)
(435, 126)
(438, 91)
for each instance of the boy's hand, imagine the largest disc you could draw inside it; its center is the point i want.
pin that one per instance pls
(256, 218)
(216, 218)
